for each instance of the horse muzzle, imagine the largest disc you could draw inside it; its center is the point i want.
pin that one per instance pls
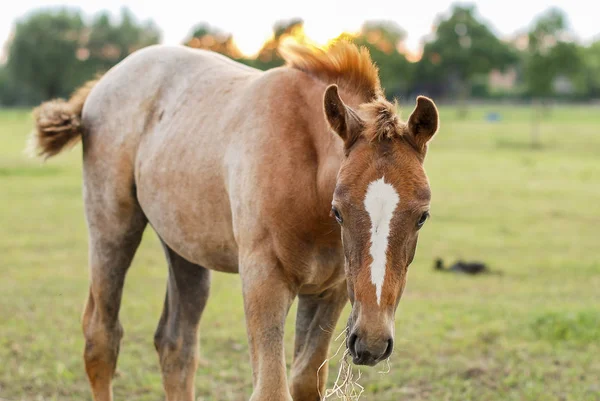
(369, 350)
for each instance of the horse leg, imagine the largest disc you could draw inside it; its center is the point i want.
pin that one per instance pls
(315, 322)
(115, 231)
(176, 337)
(267, 299)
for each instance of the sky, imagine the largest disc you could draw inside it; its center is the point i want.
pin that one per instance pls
(250, 21)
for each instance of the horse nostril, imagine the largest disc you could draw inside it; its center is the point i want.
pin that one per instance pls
(352, 344)
(389, 349)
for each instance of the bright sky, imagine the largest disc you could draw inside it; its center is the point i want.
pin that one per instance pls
(250, 21)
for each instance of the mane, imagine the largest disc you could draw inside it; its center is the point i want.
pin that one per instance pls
(381, 120)
(342, 63)
(351, 67)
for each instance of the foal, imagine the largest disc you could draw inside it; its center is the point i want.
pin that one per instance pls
(237, 170)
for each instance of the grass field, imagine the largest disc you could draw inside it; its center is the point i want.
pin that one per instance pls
(532, 333)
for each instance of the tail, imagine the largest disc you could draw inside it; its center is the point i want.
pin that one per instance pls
(58, 123)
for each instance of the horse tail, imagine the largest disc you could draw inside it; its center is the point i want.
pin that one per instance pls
(58, 123)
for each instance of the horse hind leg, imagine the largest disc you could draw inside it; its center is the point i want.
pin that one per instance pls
(115, 232)
(176, 337)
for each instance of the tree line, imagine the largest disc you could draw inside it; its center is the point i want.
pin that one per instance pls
(53, 51)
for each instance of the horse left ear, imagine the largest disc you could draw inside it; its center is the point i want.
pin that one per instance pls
(423, 123)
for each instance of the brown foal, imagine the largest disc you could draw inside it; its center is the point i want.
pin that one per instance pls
(237, 170)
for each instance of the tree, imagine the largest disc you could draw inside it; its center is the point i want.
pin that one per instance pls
(42, 55)
(268, 56)
(384, 39)
(209, 38)
(110, 43)
(53, 52)
(591, 60)
(206, 37)
(550, 54)
(462, 49)
(14, 94)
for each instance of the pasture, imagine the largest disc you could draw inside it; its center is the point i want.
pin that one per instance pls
(532, 333)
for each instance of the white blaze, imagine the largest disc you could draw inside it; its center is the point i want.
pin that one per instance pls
(380, 202)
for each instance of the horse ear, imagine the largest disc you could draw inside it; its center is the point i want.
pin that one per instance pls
(341, 118)
(423, 123)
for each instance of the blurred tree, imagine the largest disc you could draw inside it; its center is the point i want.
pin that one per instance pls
(14, 94)
(268, 57)
(43, 53)
(550, 54)
(53, 51)
(462, 49)
(591, 60)
(385, 40)
(109, 43)
(206, 37)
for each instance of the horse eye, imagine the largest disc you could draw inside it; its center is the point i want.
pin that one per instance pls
(337, 215)
(423, 219)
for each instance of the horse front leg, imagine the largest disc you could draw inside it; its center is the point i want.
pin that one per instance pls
(315, 324)
(268, 295)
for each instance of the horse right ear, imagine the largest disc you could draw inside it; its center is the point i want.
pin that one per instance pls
(341, 118)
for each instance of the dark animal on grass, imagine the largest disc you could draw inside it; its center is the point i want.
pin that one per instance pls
(237, 171)
(461, 266)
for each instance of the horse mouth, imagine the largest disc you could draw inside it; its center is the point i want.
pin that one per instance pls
(366, 358)
(363, 354)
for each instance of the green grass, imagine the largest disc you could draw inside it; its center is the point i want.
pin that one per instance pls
(532, 333)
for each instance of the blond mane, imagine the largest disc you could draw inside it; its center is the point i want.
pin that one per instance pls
(381, 120)
(342, 63)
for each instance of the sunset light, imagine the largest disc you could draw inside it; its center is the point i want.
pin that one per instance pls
(321, 33)
(250, 43)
